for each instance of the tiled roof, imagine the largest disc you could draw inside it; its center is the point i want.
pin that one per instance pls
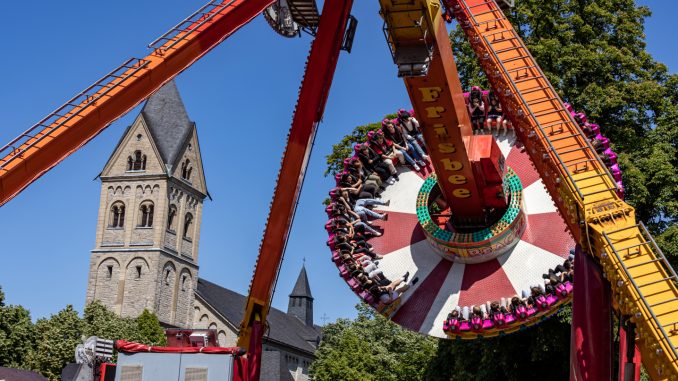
(11, 374)
(285, 329)
(166, 118)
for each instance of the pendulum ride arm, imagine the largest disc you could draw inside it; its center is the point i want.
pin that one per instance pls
(418, 40)
(313, 95)
(51, 140)
(642, 281)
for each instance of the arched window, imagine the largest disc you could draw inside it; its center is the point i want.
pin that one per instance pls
(136, 163)
(188, 220)
(171, 218)
(186, 170)
(117, 219)
(146, 214)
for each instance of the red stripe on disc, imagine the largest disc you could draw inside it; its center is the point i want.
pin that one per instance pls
(401, 230)
(521, 164)
(414, 311)
(482, 282)
(548, 231)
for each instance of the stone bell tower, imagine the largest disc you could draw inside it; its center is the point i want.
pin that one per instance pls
(148, 229)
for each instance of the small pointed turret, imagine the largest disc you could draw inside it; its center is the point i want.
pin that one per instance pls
(301, 300)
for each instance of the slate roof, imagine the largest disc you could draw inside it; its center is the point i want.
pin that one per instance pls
(302, 288)
(285, 329)
(11, 374)
(70, 372)
(166, 118)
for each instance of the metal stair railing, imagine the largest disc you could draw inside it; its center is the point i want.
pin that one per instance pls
(58, 119)
(545, 87)
(199, 18)
(659, 257)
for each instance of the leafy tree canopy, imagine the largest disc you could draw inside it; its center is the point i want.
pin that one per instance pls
(49, 344)
(374, 348)
(56, 339)
(371, 348)
(148, 330)
(16, 334)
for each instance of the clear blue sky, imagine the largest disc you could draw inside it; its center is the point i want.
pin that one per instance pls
(241, 96)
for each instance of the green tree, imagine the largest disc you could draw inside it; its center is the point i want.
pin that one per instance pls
(148, 329)
(16, 334)
(99, 321)
(49, 344)
(374, 348)
(56, 339)
(371, 348)
(526, 355)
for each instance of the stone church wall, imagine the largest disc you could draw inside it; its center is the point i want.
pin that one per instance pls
(204, 318)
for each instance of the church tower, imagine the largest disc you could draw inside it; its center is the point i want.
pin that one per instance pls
(301, 300)
(152, 192)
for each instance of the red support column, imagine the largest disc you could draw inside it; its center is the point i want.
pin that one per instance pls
(591, 342)
(254, 351)
(315, 89)
(629, 355)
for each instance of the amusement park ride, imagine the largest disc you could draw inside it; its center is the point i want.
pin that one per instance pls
(495, 212)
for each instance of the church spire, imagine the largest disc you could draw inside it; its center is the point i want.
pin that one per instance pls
(168, 122)
(301, 300)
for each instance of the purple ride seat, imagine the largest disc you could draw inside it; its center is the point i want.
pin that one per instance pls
(581, 117)
(343, 272)
(611, 155)
(330, 242)
(367, 297)
(509, 318)
(616, 172)
(347, 163)
(594, 128)
(355, 286)
(329, 225)
(467, 99)
(604, 140)
(620, 189)
(499, 320)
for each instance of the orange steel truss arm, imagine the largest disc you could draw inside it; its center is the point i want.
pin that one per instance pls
(438, 101)
(643, 282)
(313, 95)
(80, 119)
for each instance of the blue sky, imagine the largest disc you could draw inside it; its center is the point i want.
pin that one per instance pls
(241, 96)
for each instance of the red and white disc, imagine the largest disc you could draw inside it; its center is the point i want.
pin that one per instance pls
(442, 284)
